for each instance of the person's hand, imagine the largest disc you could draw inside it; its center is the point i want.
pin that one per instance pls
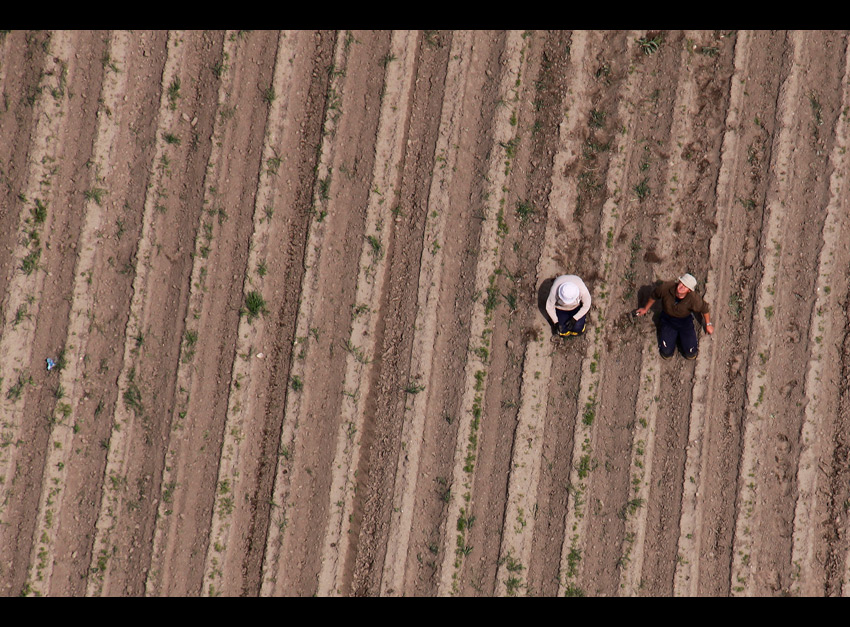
(709, 328)
(640, 311)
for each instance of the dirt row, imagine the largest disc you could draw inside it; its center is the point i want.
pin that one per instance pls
(786, 327)
(292, 286)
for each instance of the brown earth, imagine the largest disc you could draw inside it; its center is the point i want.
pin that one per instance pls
(293, 283)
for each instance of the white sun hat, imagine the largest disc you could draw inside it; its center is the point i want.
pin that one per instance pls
(568, 293)
(688, 281)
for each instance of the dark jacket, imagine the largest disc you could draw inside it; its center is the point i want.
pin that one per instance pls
(672, 306)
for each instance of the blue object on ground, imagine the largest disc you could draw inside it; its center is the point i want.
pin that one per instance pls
(50, 364)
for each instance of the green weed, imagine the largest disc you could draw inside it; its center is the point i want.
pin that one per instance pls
(255, 305)
(174, 92)
(30, 262)
(96, 194)
(597, 118)
(642, 189)
(15, 391)
(524, 210)
(649, 45)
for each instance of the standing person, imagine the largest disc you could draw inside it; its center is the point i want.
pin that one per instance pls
(568, 304)
(678, 301)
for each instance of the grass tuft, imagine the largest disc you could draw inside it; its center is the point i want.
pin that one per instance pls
(255, 305)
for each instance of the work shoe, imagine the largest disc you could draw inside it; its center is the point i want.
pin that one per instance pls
(663, 356)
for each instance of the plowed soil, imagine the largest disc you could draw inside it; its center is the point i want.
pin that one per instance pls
(273, 313)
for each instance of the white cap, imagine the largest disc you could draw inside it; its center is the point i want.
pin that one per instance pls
(688, 281)
(568, 293)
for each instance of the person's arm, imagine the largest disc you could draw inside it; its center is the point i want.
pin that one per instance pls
(584, 294)
(550, 303)
(642, 310)
(705, 310)
(654, 297)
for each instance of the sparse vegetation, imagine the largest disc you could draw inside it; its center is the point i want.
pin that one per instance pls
(174, 92)
(132, 394)
(96, 194)
(414, 387)
(14, 392)
(30, 262)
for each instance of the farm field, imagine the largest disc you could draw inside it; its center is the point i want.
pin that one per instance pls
(272, 313)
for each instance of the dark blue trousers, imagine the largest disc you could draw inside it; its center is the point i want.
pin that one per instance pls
(672, 330)
(565, 315)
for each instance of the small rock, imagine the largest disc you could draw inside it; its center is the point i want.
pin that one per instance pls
(260, 355)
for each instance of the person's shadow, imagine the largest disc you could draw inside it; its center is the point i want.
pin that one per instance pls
(643, 296)
(542, 297)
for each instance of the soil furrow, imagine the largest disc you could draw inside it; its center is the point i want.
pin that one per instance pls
(525, 381)
(382, 207)
(543, 372)
(38, 299)
(511, 297)
(838, 559)
(287, 267)
(579, 236)
(571, 575)
(154, 332)
(776, 395)
(460, 483)
(680, 179)
(209, 343)
(24, 55)
(682, 227)
(813, 519)
(621, 450)
(429, 286)
(65, 423)
(111, 285)
(274, 560)
(325, 314)
(20, 295)
(438, 180)
(417, 246)
(707, 514)
(244, 433)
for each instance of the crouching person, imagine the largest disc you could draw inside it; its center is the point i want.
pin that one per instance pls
(568, 304)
